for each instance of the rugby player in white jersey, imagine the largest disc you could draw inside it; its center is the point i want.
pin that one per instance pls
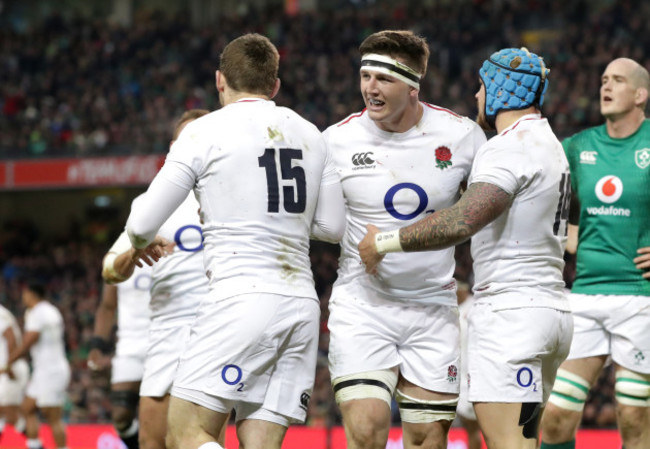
(515, 209)
(397, 333)
(130, 301)
(44, 340)
(263, 179)
(178, 284)
(14, 382)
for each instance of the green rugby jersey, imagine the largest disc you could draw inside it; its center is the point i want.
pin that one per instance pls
(611, 178)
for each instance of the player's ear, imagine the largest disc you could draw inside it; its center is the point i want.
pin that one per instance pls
(276, 88)
(221, 81)
(641, 96)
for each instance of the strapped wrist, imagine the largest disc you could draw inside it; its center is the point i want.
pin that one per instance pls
(388, 242)
(100, 343)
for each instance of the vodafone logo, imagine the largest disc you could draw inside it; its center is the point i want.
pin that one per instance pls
(609, 189)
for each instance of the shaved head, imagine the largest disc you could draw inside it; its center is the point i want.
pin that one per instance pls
(635, 72)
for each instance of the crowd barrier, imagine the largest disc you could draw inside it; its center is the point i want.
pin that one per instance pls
(95, 436)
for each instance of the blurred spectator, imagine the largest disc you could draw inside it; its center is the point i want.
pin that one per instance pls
(86, 87)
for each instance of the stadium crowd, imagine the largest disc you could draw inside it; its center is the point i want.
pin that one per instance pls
(82, 87)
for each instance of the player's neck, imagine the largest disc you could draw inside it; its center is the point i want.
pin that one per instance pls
(231, 96)
(506, 118)
(624, 126)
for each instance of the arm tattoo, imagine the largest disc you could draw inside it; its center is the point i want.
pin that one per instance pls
(481, 204)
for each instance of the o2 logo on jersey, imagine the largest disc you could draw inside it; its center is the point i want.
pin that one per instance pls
(184, 243)
(142, 282)
(609, 189)
(419, 191)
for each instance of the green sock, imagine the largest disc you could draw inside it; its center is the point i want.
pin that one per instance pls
(568, 445)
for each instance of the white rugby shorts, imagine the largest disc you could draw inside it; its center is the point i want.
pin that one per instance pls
(514, 354)
(255, 353)
(12, 391)
(126, 369)
(370, 334)
(48, 387)
(615, 325)
(166, 345)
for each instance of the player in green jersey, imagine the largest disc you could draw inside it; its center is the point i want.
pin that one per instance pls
(610, 170)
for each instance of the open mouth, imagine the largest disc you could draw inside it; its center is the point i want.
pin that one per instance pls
(607, 99)
(375, 103)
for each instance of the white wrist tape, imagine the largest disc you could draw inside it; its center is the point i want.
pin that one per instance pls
(388, 242)
(109, 268)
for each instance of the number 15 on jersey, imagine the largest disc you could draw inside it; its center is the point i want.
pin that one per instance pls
(294, 195)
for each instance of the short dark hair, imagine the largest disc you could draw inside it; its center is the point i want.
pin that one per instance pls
(188, 116)
(404, 44)
(250, 64)
(35, 286)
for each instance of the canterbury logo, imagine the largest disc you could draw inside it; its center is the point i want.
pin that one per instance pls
(363, 159)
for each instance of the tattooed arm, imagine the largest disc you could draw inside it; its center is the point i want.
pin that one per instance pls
(481, 204)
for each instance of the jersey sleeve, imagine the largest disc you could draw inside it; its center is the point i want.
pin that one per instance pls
(35, 320)
(501, 167)
(329, 219)
(167, 191)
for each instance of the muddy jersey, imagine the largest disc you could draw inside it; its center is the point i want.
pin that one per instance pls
(256, 170)
(394, 179)
(521, 251)
(611, 178)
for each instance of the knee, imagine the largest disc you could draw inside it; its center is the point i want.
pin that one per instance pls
(559, 424)
(367, 432)
(632, 420)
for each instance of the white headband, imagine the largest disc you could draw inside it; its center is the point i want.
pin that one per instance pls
(392, 67)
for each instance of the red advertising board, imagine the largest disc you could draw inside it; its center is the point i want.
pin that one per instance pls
(84, 172)
(93, 436)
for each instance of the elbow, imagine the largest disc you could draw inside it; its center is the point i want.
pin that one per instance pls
(139, 238)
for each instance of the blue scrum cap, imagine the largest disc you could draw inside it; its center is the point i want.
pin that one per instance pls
(514, 79)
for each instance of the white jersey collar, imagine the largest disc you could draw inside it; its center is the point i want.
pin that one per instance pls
(532, 116)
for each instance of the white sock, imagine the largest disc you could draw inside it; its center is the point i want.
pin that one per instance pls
(211, 445)
(34, 443)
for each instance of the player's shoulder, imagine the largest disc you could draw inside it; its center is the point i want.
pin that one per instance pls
(351, 121)
(585, 137)
(448, 119)
(296, 118)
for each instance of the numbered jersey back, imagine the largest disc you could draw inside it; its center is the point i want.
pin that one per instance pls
(259, 169)
(523, 248)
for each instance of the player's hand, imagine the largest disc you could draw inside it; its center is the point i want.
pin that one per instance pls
(368, 250)
(152, 253)
(7, 370)
(643, 261)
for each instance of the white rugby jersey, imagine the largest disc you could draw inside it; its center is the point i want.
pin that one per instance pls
(133, 313)
(256, 170)
(48, 353)
(178, 281)
(521, 251)
(7, 320)
(394, 179)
